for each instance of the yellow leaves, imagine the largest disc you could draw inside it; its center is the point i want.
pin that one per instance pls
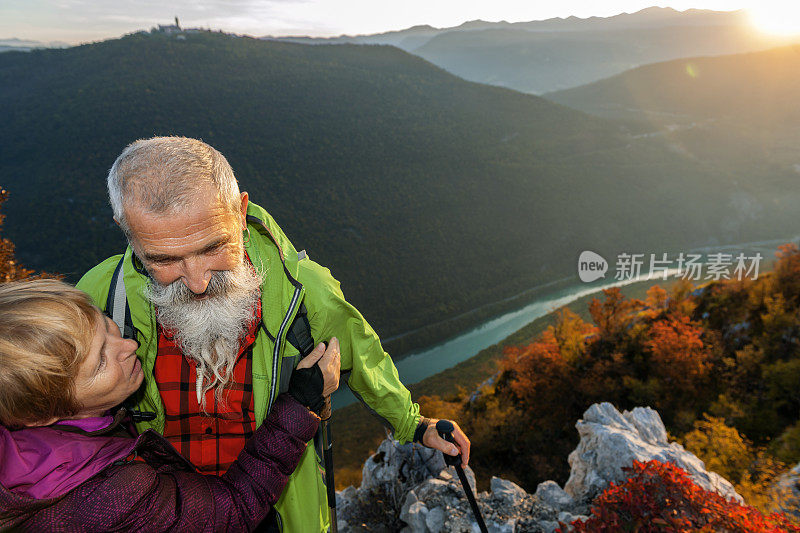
(725, 451)
(570, 334)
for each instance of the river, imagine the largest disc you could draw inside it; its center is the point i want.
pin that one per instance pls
(425, 363)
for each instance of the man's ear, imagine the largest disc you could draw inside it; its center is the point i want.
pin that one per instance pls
(243, 209)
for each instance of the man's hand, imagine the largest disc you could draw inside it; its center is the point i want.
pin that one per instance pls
(431, 439)
(329, 363)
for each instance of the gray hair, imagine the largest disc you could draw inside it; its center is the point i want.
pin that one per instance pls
(162, 174)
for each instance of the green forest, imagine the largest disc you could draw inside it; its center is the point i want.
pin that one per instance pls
(426, 195)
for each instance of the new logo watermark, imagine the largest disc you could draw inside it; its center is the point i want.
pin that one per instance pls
(591, 266)
(629, 267)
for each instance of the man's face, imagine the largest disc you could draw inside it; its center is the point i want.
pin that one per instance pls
(190, 244)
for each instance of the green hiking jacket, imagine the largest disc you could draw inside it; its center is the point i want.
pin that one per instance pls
(366, 368)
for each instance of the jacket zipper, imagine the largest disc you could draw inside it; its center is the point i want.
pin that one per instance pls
(279, 340)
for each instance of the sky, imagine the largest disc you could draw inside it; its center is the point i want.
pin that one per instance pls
(77, 21)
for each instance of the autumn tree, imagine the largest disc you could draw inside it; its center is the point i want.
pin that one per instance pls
(679, 359)
(787, 272)
(615, 314)
(10, 269)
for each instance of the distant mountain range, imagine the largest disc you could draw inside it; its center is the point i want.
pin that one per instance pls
(553, 54)
(425, 194)
(24, 45)
(652, 17)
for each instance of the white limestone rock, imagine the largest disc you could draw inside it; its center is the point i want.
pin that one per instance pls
(611, 440)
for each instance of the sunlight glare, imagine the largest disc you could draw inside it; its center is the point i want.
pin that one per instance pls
(780, 18)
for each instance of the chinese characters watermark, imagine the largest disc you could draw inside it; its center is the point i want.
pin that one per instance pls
(631, 267)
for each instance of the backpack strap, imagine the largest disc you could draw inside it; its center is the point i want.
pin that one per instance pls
(120, 312)
(117, 303)
(299, 336)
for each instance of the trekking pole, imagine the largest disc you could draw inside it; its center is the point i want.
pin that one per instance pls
(327, 452)
(445, 429)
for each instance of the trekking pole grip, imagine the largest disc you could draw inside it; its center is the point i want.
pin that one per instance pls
(445, 430)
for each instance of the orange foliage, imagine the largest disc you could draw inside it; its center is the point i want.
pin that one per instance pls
(656, 301)
(541, 378)
(679, 356)
(614, 314)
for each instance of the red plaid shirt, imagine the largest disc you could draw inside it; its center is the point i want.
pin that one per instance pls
(211, 443)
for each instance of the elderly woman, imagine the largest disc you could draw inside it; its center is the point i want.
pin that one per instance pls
(67, 460)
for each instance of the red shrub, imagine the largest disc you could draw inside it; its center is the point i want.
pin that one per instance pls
(662, 497)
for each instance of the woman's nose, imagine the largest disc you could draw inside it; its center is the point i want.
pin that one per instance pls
(131, 346)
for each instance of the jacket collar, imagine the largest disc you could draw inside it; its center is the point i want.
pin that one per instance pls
(47, 462)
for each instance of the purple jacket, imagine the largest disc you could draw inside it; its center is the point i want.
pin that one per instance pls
(56, 480)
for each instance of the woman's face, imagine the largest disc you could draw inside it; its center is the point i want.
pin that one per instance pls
(110, 373)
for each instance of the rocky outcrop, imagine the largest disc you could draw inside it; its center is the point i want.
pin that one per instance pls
(611, 440)
(787, 492)
(408, 488)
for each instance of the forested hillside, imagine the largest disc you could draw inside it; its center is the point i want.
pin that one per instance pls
(426, 195)
(759, 89)
(738, 112)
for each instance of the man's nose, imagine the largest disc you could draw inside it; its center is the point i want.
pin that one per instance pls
(195, 275)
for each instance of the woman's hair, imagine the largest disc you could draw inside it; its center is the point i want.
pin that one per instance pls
(46, 331)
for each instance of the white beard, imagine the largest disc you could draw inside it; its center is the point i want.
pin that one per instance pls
(209, 330)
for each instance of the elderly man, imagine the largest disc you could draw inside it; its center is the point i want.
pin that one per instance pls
(212, 285)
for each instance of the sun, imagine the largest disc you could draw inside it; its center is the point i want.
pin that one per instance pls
(779, 18)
